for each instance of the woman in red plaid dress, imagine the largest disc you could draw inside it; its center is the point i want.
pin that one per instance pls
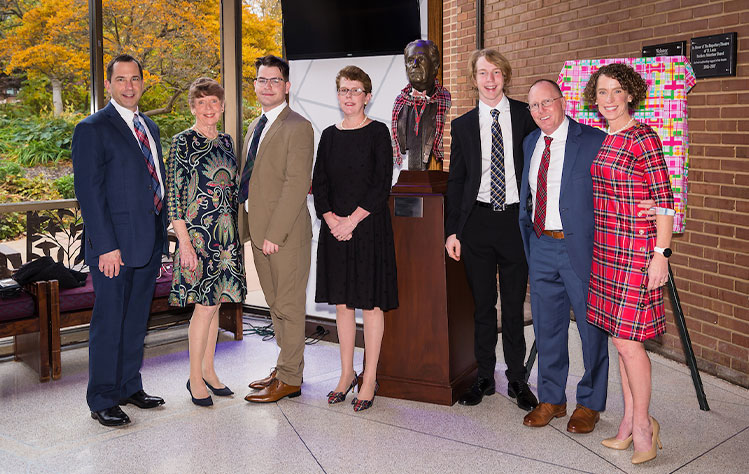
(629, 267)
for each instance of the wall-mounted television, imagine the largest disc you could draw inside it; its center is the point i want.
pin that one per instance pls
(314, 29)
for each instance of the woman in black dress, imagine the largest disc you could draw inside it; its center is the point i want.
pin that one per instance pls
(202, 204)
(355, 253)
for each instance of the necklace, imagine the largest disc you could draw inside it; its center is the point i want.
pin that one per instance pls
(343, 127)
(623, 128)
(211, 136)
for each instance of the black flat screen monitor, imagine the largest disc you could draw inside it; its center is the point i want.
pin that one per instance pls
(314, 29)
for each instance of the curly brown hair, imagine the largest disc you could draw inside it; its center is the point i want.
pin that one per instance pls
(627, 77)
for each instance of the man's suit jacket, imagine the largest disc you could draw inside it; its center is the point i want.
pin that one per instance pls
(280, 180)
(575, 194)
(465, 161)
(113, 188)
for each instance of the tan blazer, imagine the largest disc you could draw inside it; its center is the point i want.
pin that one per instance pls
(280, 181)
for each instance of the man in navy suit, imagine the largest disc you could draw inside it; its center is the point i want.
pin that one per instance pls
(486, 158)
(119, 183)
(556, 222)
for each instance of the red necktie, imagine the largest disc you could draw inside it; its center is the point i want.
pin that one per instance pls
(539, 216)
(145, 147)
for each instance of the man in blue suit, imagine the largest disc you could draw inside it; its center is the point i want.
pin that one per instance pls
(556, 224)
(119, 183)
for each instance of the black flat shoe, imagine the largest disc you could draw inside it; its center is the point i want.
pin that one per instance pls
(201, 402)
(522, 392)
(338, 397)
(221, 392)
(113, 416)
(483, 386)
(143, 400)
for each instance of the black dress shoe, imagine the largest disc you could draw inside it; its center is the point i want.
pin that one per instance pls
(482, 386)
(201, 402)
(522, 392)
(143, 400)
(113, 416)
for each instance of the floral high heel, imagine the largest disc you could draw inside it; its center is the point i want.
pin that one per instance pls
(360, 405)
(338, 397)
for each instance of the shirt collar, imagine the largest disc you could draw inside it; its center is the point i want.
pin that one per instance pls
(273, 113)
(126, 114)
(503, 106)
(561, 132)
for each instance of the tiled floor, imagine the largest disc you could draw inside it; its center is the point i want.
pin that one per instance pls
(47, 428)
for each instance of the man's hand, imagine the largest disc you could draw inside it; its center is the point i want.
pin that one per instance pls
(453, 247)
(649, 209)
(110, 263)
(269, 248)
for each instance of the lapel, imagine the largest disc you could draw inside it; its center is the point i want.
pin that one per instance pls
(474, 142)
(570, 154)
(277, 124)
(529, 145)
(118, 123)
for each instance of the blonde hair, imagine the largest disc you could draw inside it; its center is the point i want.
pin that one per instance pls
(494, 57)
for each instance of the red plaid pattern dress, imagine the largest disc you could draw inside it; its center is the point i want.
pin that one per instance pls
(629, 168)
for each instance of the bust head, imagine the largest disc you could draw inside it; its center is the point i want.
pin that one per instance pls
(422, 59)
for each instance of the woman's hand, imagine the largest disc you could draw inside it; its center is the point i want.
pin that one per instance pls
(331, 219)
(657, 271)
(344, 229)
(187, 257)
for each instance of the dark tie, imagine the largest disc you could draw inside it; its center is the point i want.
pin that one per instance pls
(145, 147)
(497, 191)
(539, 216)
(244, 186)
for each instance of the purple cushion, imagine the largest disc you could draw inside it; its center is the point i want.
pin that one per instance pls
(19, 307)
(164, 281)
(74, 299)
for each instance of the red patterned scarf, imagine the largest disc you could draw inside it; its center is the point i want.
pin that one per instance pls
(441, 97)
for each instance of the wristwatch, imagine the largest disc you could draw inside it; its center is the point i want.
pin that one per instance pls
(665, 252)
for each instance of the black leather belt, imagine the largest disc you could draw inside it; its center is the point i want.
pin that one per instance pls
(488, 205)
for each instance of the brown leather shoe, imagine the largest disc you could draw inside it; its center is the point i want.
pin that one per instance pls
(262, 383)
(543, 413)
(583, 420)
(274, 392)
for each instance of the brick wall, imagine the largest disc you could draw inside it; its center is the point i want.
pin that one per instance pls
(711, 260)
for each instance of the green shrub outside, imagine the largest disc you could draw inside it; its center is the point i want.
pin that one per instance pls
(64, 186)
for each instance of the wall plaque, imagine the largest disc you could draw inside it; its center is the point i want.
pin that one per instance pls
(678, 48)
(714, 56)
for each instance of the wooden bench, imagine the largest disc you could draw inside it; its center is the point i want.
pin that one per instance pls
(56, 232)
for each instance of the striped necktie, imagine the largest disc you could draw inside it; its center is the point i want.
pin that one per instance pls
(497, 191)
(145, 147)
(244, 186)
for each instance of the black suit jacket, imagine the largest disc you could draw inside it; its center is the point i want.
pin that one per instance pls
(465, 161)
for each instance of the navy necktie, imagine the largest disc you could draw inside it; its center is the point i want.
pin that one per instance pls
(497, 168)
(244, 186)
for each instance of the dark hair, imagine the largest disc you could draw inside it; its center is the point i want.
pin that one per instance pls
(432, 50)
(202, 87)
(549, 81)
(632, 83)
(494, 57)
(353, 73)
(273, 61)
(122, 58)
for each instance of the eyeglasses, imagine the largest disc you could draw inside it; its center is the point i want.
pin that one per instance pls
(274, 81)
(343, 91)
(544, 103)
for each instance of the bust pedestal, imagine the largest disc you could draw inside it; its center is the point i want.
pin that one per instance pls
(427, 348)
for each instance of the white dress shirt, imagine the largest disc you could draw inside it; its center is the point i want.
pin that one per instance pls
(128, 116)
(485, 128)
(554, 175)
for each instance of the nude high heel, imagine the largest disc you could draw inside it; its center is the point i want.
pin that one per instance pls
(614, 443)
(640, 457)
